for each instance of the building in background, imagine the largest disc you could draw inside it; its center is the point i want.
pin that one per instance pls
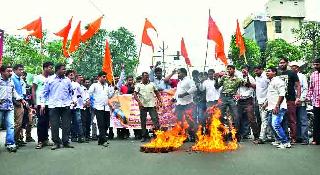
(277, 22)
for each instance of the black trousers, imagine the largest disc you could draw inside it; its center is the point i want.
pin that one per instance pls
(43, 124)
(316, 124)
(86, 121)
(62, 114)
(103, 120)
(143, 118)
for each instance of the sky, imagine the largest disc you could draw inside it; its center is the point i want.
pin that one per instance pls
(173, 19)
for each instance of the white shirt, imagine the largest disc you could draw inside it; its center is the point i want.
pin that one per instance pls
(246, 92)
(262, 83)
(101, 94)
(185, 85)
(212, 94)
(277, 87)
(77, 95)
(304, 86)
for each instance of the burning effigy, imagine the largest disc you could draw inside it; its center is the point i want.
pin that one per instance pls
(167, 141)
(216, 139)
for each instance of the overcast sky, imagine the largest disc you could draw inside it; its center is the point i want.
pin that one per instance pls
(173, 19)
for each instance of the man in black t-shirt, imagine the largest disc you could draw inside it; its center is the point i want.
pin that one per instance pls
(293, 99)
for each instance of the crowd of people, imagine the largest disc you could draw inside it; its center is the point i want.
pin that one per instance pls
(269, 106)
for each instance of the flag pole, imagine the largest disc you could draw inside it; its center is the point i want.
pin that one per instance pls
(205, 60)
(245, 58)
(138, 58)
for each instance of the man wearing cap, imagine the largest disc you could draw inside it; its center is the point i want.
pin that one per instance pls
(230, 84)
(314, 97)
(302, 119)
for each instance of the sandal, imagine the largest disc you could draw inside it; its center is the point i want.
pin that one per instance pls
(39, 146)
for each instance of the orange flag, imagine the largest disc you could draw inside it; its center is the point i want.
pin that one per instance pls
(36, 28)
(93, 28)
(215, 35)
(107, 63)
(184, 52)
(75, 40)
(64, 34)
(145, 37)
(239, 40)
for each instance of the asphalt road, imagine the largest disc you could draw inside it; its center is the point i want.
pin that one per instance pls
(124, 157)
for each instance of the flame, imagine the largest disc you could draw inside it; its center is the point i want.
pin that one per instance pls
(214, 141)
(171, 139)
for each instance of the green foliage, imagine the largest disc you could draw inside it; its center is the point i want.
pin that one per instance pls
(88, 59)
(309, 36)
(18, 51)
(280, 48)
(253, 53)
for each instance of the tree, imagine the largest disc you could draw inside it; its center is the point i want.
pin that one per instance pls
(280, 48)
(31, 54)
(309, 35)
(253, 53)
(88, 58)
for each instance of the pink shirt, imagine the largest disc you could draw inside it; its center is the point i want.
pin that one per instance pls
(314, 89)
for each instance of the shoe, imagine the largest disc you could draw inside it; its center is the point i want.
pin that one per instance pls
(81, 140)
(105, 144)
(288, 145)
(293, 141)
(67, 146)
(304, 143)
(143, 139)
(275, 143)
(39, 145)
(12, 149)
(47, 143)
(258, 141)
(55, 146)
(281, 146)
(30, 139)
(74, 139)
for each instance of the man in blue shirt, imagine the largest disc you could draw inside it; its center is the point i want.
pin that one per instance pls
(7, 93)
(18, 70)
(58, 94)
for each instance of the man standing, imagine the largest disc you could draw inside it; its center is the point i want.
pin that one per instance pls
(18, 105)
(43, 115)
(144, 94)
(58, 94)
(293, 93)
(212, 94)
(302, 118)
(230, 84)
(277, 105)
(314, 97)
(157, 78)
(7, 94)
(184, 97)
(101, 93)
(246, 106)
(262, 83)
(85, 112)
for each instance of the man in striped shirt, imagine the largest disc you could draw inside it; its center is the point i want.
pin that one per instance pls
(314, 96)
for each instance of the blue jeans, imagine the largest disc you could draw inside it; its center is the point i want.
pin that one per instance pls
(76, 126)
(276, 125)
(200, 112)
(302, 123)
(9, 122)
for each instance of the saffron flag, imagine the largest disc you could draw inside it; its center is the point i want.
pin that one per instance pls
(145, 37)
(215, 35)
(35, 27)
(75, 40)
(1, 45)
(93, 28)
(64, 34)
(184, 52)
(107, 63)
(239, 40)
